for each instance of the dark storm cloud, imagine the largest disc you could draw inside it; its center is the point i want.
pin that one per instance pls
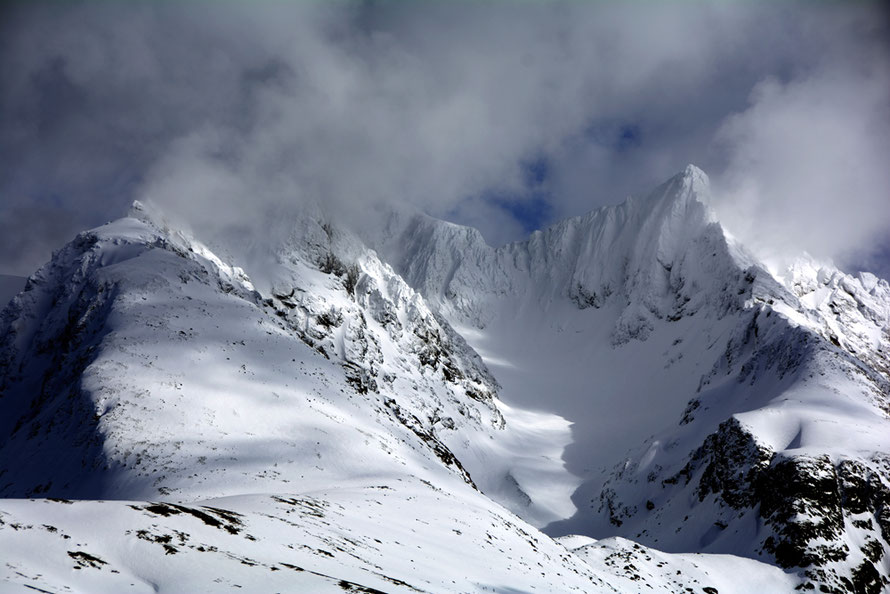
(232, 114)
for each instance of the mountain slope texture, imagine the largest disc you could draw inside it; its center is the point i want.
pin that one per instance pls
(626, 401)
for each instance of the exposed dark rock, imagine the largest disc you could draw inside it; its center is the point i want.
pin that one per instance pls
(803, 502)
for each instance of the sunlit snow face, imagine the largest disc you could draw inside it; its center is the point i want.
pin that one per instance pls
(501, 119)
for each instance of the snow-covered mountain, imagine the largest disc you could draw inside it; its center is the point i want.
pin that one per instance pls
(408, 417)
(715, 407)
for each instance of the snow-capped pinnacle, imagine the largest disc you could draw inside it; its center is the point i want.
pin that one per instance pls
(696, 176)
(147, 213)
(684, 189)
(697, 184)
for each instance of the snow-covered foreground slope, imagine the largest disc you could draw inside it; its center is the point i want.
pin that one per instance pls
(400, 535)
(137, 365)
(715, 407)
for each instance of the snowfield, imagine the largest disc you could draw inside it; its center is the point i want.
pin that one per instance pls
(410, 409)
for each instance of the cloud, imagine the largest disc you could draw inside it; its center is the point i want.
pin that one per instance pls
(232, 117)
(807, 159)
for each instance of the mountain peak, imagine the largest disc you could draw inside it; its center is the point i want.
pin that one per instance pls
(695, 174)
(136, 207)
(697, 183)
(686, 187)
(148, 213)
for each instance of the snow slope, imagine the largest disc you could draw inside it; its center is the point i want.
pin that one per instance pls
(104, 401)
(632, 567)
(395, 536)
(139, 365)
